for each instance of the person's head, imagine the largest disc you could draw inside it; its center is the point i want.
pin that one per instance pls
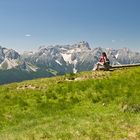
(104, 54)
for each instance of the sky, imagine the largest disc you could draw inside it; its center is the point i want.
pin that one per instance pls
(28, 24)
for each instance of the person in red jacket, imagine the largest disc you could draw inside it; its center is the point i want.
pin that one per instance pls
(103, 60)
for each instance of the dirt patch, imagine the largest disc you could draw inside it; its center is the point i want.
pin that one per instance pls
(33, 87)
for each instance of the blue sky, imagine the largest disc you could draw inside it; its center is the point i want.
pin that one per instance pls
(27, 24)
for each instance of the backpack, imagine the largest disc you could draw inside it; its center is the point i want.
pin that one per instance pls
(107, 62)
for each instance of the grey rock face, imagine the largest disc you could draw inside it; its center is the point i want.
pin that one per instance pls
(11, 54)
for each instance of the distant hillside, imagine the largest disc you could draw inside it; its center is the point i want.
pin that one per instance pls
(101, 105)
(15, 75)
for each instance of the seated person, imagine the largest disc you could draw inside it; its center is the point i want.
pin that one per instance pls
(103, 61)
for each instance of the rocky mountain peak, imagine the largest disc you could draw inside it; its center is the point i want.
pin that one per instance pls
(12, 54)
(83, 45)
(65, 58)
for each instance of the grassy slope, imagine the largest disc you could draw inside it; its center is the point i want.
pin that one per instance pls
(98, 106)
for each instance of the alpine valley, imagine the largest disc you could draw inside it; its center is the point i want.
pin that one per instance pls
(57, 60)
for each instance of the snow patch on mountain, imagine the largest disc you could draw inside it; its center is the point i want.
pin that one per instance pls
(116, 56)
(58, 62)
(8, 64)
(66, 57)
(32, 68)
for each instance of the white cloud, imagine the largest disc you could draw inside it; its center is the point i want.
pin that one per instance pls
(27, 35)
(113, 41)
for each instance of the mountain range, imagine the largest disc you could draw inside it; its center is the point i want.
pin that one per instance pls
(57, 60)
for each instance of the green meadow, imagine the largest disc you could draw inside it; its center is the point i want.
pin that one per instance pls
(102, 105)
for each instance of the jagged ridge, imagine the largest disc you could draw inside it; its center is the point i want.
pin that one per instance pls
(61, 59)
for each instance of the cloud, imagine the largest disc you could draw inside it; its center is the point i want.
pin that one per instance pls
(113, 41)
(28, 35)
